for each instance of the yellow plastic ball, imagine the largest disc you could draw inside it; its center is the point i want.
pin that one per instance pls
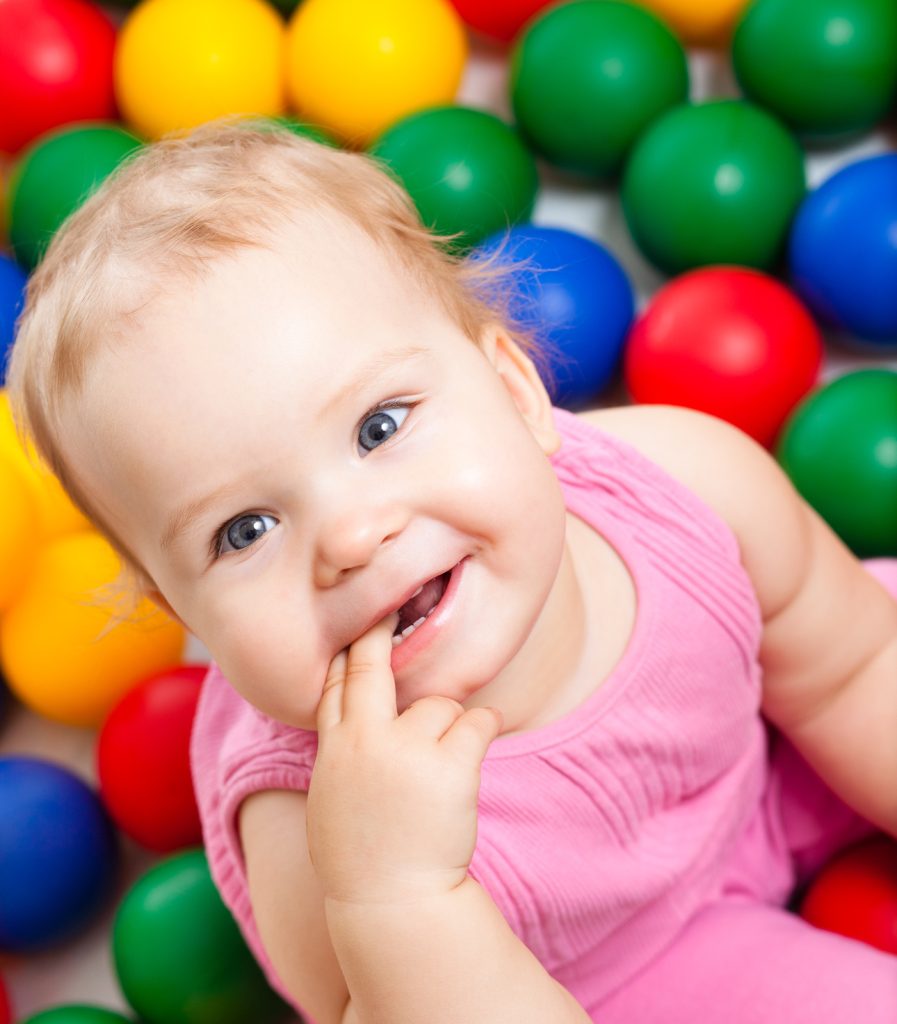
(19, 539)
(701, 22)
(179, 63)
(51, 651)
(354, 67)
(56, 513)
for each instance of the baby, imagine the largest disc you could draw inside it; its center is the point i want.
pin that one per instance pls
(514, 714)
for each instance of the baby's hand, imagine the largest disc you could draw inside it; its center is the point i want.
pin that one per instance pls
(392, 804)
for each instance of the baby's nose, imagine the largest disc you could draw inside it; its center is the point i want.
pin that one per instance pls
(351, 537)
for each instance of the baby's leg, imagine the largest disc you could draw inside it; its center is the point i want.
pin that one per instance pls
(741, 962)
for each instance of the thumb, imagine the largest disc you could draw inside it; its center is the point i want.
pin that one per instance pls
(472, 733)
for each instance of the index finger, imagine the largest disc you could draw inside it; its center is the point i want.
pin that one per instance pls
(369, 690)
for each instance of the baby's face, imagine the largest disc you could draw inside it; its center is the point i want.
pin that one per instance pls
(239, 440)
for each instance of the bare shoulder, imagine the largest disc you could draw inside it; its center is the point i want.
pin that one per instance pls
(288, 904)
(732, 474)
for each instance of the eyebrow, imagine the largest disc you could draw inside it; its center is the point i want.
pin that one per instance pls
(184, 517)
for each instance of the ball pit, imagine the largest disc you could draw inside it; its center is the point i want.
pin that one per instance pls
(81, 686)
(578, 299)
(466, 170)
(823, 66)
(178, 954)
(53, 177)
(59, 854)
(842, 251)
(588, 78)
(594, 212)
(181, 62)
(355, 67)
(716, 182)
(839, 447)
(55, 67)
(729, 341)
(143, 761)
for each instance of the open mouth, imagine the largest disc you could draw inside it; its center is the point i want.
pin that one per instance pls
(414, 611)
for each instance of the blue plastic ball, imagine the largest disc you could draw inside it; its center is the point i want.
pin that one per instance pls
(58, 854)
(578, 300)
(843, 251)
(12, 297)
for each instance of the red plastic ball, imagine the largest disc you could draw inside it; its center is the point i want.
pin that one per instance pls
(728, 341)
(143, 760)
(5, 1009)
(499, 19)
(856, 894)
(56, 59)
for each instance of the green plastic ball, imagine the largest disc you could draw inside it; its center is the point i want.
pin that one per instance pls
(715, 182)
(824, 66)
(839, 447)
(466, 170)
(587, 78)
(78, 1014)
(179, 955)
(54, 176)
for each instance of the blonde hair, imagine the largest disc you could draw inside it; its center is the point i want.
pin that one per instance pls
(168, 210)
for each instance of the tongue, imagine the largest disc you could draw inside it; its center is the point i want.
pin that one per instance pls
(412, 610)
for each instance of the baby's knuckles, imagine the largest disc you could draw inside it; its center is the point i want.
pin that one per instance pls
(392, 816)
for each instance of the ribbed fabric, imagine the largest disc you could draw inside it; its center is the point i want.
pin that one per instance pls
(601, 833)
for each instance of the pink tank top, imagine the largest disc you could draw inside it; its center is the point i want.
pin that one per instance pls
(602, 832)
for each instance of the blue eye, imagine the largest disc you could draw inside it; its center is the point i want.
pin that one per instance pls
(380, 424)
(241, 532)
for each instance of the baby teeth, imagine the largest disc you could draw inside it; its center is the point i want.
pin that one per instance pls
(408, 630)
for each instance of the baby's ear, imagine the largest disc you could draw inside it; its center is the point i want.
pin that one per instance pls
(522, 380)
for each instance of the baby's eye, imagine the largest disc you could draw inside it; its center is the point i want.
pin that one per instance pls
(241, 532)
(380, 424)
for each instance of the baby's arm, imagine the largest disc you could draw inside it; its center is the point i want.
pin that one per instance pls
(829, 646)
(386, 910)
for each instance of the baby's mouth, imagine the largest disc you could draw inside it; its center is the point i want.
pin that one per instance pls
(416, 609)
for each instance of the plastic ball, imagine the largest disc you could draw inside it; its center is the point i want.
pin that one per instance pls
(588, 78)
(5, 1008)
(823, 66)
(143, 760)
(500, 20)
(55, 67)
(54, 176)
(180, 63)
(839, 448)
(842, 252)
(53, 654)
(13, 279)
(179, 956)
(78, 1014)
(577, 297)
(701, 22)
(17, 555)
(855, 894)
(58, 851)
(56, 513)
(713, 183)
(727, 341)
(356, 67)
(466, 170)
